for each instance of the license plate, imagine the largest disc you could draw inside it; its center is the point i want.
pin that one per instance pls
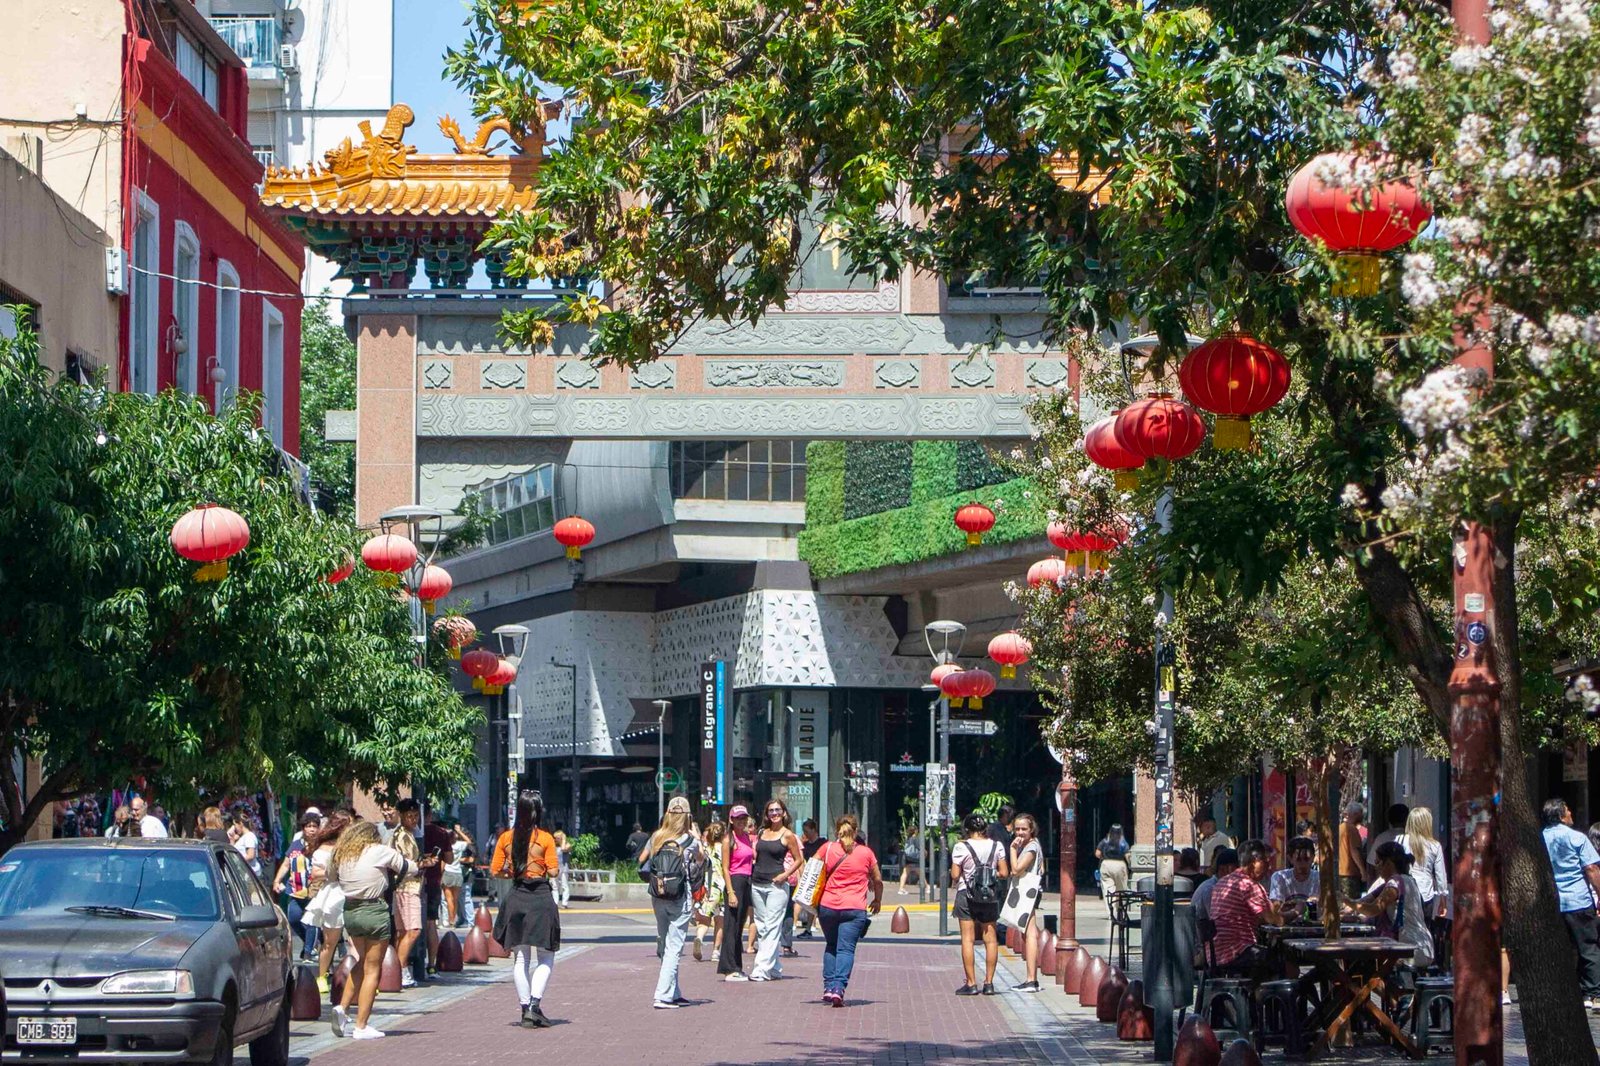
(47, 1030)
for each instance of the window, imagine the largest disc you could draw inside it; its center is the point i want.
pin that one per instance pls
(825, 267)
(227, 351)
(186, 306)
(198, 69)
(763, 470)
(272, 406)
(144, 293)
(522, 504)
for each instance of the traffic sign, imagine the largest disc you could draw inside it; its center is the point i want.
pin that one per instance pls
(669, 780)
(973, 727)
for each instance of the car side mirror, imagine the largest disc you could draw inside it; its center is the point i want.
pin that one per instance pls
(257, 916)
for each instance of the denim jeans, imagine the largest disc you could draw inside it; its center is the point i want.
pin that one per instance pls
(786, 935)
(672, 929)
(770, 901)
(841, 930)
(306, 933)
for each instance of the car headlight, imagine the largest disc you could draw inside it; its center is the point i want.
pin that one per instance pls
(149, 983)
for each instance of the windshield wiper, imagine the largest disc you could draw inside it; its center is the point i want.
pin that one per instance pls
(104, 911)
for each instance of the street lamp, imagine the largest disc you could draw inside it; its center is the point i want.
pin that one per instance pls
(513, 641)
(417, 520)
(932, 692)
(939, 635)
(662, 707)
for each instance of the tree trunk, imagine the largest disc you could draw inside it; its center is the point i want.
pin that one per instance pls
(1542, 956)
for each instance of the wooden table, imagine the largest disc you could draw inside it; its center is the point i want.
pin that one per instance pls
(1355, 969)
(1272, 933)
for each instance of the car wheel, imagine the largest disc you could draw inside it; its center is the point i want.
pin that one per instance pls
(223, 1055)
(272, 1047)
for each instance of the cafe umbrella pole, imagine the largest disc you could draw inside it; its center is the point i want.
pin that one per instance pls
(1160, 970)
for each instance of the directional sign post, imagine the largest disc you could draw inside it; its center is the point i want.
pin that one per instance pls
(973, 727)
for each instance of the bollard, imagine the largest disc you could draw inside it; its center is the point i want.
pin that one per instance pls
(1013, 940)
(389, 972)
(475, 952)
(1240, 1053)
(901, 922)
(341, 974)
(497, 950)
(1135, 1020)
(481, 919)
(305, 1002)
(1089, 985)
(448, 959)
(1047, 954)
(1197, 1044)
(1071, 970)
(1109, 999)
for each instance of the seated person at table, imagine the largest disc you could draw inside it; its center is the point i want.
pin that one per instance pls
(1189, 865)
(1239, 906)
(1396, 904)
(1225, 861)
(1298, 882)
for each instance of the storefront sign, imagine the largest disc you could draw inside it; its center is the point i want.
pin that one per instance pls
(808, 737)
(714, 732)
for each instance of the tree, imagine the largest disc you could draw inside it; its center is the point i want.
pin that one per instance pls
(327, 383)
(1132, 159)
(119, 664)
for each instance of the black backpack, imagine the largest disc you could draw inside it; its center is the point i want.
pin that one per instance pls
(984, 884)
(669, 871)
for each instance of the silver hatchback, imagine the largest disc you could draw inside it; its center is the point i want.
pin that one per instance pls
(140, 950)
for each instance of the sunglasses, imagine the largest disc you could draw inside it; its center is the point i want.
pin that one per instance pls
(774, 810)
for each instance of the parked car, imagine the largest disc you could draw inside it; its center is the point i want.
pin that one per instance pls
(145, 950)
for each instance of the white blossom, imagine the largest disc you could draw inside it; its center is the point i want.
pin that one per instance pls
(1440, 402)
(1403, 69)
(1420, 283)
(1470, 150)
(1462, 229)
(1469, 57)
(1353, 496)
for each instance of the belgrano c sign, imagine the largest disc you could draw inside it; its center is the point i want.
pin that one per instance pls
(714, 732)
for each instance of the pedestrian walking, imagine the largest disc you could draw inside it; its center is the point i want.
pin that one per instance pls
(1428, 870)
(738, 859)
(466, 852)
(1026, 859)
(453, 877)
(1576, 866)
(245, 841)
(149, 824)
(1112, 851)
(563, 886)
(708, 911)
(910, 856)
(674, 865)
(294, 877)
(362, 864)
(977, 866)
(408, 892)
(811, 842)
(529, 924)
(1208, 840)
(213, 828)
(437, 846)
(636, 841)
(844, 911)
(777, 861)
(326, 910)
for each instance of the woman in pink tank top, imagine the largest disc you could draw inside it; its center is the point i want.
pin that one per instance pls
(738, 858)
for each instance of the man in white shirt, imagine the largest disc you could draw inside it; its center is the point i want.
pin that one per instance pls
(149, 824)
(391, 821)
(1210, 840)
(1398, 813)
(1297, 880)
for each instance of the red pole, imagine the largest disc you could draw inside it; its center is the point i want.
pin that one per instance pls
(1067, 791)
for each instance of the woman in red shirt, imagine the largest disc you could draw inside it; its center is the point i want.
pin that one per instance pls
(844, 909)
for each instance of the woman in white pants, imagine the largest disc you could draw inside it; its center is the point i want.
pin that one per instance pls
(778, 860)
(672, 911)
(529, 924)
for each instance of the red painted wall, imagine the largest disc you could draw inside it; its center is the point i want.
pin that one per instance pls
(216, 197)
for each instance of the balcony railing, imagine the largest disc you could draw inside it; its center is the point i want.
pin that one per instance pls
(256, 40)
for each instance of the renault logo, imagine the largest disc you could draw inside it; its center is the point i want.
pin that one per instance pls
(47, 988)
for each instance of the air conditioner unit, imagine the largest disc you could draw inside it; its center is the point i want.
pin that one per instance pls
(288, 58)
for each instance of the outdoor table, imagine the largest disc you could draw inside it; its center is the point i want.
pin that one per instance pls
(1270, 934)
(1354, 969)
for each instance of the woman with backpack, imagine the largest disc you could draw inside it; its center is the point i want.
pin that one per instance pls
(674, 863)
(977, 866)
(738, 859)
(529, 924)
(843, 910)
(778, 860)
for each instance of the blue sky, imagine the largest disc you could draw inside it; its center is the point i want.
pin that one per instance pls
(423, 29)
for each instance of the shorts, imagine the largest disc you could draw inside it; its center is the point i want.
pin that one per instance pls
(968, 911)
(408, 911)
(452, 879)
(368, 919)
(432, 900)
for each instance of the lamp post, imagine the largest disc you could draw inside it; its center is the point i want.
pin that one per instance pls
(416, 520)
(927, 858)
(513, 641)
(577, 821)
(939, 635)
(662, 707)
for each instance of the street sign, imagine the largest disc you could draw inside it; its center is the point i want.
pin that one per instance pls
(669, 780)
(973, 727)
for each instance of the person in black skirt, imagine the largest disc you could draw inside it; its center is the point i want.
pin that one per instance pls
(529, 925)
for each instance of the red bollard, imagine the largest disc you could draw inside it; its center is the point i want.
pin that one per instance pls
(1071, 971)
(1240, 1053)
(1014, 940)
(1135, 1020)
(1089, 984)
(497, 950)
(341, 974)
(305, 1002)
(475, 952)
(389, 973)
(448, 959)
(1047, 954)
(1109, 999)
(481, 919)
(1197, 1044)
(901, 922)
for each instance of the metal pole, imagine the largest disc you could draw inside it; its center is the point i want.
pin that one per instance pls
(1160, 972)
(929, 859)
(944, 814)
(661, 765)
(1067, 936)
(572, 669)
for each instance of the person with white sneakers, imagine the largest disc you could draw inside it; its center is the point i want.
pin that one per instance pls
(672, 864)
(361, 868)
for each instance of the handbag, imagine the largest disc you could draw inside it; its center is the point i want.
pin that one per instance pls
(813, 880)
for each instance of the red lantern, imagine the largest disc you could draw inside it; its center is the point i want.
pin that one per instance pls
(974, 519)
(1010, 650)
(1234, 376)
(344, 570)
(1092, 548)
(1046, 572)
(1100, 445)
(478, 665)
(456, 632)
(211, 535)
(504, 672)
(575, 533)
(390, 555)
(941, 672)
(1160, 427)
(953, 687)
(1356, 224)
(976, 685)
(1058, 534)
(435, 585)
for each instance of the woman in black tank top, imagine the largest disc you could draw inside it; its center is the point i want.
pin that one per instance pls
(778, 860)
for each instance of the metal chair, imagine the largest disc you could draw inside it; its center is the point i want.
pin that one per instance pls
(1121, 904)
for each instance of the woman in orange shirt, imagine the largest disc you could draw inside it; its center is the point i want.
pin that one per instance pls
(529, 925)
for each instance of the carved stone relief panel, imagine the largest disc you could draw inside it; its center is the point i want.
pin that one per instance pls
(503, 374)
(972, 372)
(896, 374)
(774, 374)
(438, 374)
(577, 374)
(661, 374)
(1045, 373)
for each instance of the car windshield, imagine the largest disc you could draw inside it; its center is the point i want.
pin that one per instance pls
(100, 881)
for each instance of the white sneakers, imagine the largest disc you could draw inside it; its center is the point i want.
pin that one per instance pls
(340, 1022)
(343, 1027)
(735, 976)
(662, 1004)
(368, 1033)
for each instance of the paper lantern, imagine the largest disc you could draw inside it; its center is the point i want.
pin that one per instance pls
(1046, 572)
(342, 571)
(390, 555)
(574, 534)
(495, 682)
(1357, 225)
(1160, 427)
(434, 586)
(1100, 445)
(1234, 376)
(456, 632)
(1058, 532)
(210, 535)
(941, 672)
(953, 688)
(478, 665)
(976, 685)
(974, 520)
(1010, 650)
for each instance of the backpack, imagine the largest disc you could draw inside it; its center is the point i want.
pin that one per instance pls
(984, 884)
(668, 871)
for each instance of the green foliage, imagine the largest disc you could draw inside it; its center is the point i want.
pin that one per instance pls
(934, 471)
(989, 804)
(121, 665)
(877, 476)
(585, 851)
(825, 482)
(327, 383)
(975, 467)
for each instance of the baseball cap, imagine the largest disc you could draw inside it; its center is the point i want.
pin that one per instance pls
(678, 805)
(739, 811)
(314, 810)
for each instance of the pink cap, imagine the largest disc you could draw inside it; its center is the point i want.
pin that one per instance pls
(739, 811)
